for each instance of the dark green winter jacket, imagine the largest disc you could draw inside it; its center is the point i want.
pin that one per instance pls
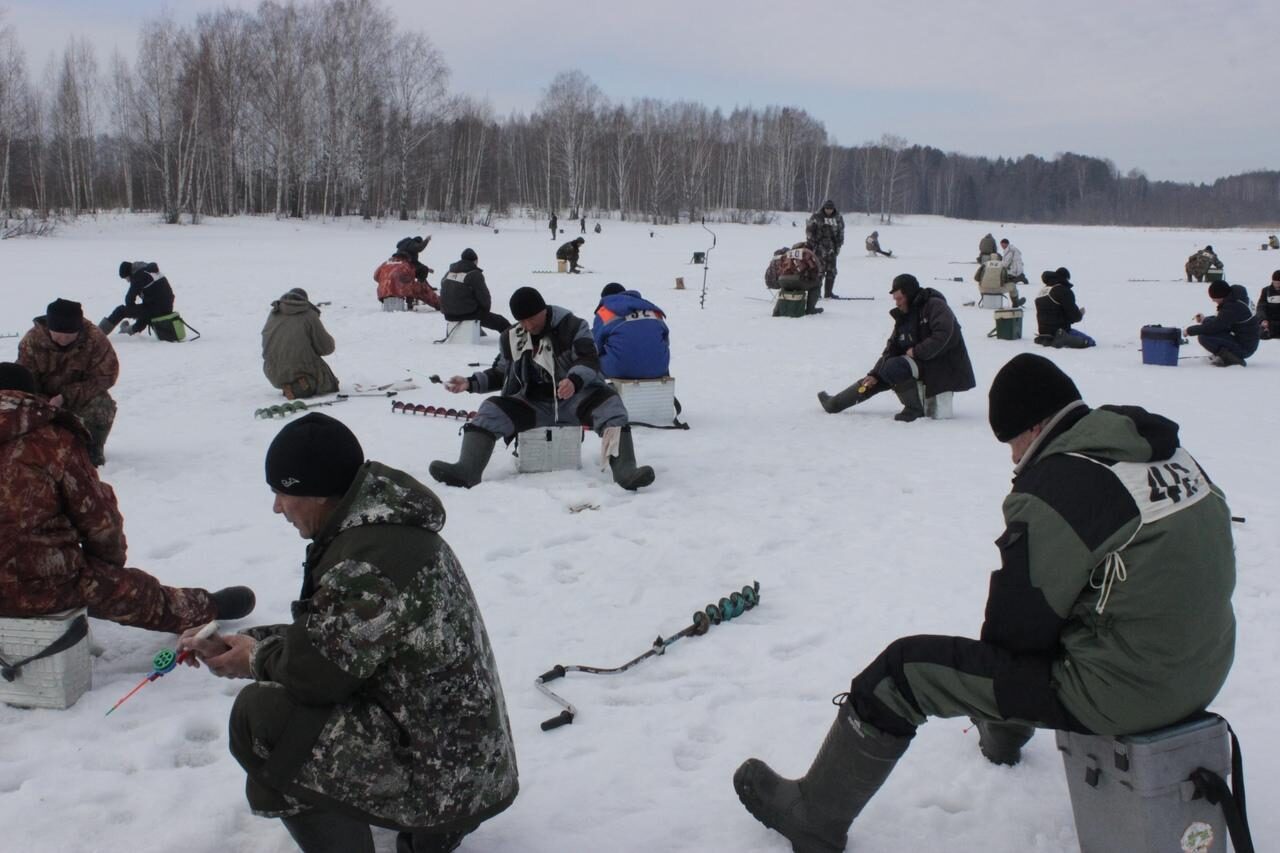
(293, 341)
(405, 721)
(1118, 565)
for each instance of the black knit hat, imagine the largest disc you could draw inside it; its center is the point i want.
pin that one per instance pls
(612, 288)
(1028, 389)
(1062, 274)
(1049, 277)
(1219, 290)
(907, 283)
(63, 315)
(526, 302)
(1275, 276)
(315, 456)
(470, 255)
(126, 269)
(15, 377)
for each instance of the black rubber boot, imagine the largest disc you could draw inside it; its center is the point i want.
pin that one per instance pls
(1002, 742)
(329, 832)
(912, 406)
(811, 302)
(1229, 358)
(851, 396)
(625, 471)
(233, 602)
(477, 447)
(422, 842)
(815, 811)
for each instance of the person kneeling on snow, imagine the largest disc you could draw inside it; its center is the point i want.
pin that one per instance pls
(548, 373)
(1231, 335)
(926, 347)
(1086, 626)
(62, 539)
(380, 702)
(403, 277)
(1056, 310)
(631, 335)
(145, 283)
(293, 341)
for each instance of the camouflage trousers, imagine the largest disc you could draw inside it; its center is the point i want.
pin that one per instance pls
(98, 415)
(118, 594)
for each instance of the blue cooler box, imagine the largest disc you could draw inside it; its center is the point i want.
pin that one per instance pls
(1160, 345)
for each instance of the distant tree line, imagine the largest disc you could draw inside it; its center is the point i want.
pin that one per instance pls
(329, 108)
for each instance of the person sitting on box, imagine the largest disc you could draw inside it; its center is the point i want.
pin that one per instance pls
(62, 539)
(1200, 263)
(145, 283)
(293, 343)
(926, 346)
(380, 702)
(404, 277)
(570, 251)
(1056, 310)
(873, 245)
(799, 270)
(75, 366)
(1111, 612)
(548, 373)
(1269, 309)
(464, 295)
(1232, 334)
(631, 335)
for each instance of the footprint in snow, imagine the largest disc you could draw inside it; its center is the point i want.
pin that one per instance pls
(166, 551)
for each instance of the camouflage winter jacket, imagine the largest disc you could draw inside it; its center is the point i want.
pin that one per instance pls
(81, 372)
(55, 514)
(293, 341)
(825, 234)
(398, 276)
(403, 716)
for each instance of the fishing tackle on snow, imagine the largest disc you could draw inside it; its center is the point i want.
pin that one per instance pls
(431, 411)
(164, 662)
(729, 607)
(284, 410)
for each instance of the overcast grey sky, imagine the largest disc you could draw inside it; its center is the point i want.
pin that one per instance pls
(1181, 90)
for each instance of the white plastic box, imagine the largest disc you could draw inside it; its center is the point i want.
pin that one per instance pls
(648, 401)
(462, 332)
(991, 301)
(1133, 793)
(938, 408)
(53, 682)
(394, 303)
(556, 448)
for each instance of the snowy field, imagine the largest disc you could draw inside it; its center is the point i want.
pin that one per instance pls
(859, 529)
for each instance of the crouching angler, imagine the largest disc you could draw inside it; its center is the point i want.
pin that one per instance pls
(926, 348)
(294, 342)
(548, 373)
(1110, 614)
(379, 704)
(1231, 335)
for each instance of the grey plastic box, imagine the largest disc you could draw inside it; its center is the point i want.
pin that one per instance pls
(1133, 794)
(53, 682)
(555, 448)
(648, 401)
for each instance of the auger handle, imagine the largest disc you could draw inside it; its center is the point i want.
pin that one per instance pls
(552, 674)
(564, 718)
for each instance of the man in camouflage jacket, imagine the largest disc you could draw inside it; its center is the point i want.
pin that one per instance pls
(380, 703)
(825, 233)
(62, 539)
(74, 365)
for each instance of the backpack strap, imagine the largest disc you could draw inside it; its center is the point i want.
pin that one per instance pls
(76, 631)
(1214, 788)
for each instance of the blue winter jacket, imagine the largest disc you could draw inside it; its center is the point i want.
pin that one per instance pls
(631, 336)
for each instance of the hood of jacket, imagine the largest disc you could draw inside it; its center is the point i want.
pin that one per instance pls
(22, 413)
(1116, 433)
(292, 305)
(464, 266)
(1238, 294)
(384, 495)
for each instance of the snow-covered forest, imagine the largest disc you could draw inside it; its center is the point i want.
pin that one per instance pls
(334, 107)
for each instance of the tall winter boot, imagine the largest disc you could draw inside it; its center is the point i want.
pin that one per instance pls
(815, 811)
(477, 447)
(625, 471)
(811, 302)
(850, 396)
(329, 832)
(106, 325)
(1001, 742)
(912, 406)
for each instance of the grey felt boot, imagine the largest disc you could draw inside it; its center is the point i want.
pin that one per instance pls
(815, 811)
(477, 447)
(1002, 742)
(912, 406)
(625, 471)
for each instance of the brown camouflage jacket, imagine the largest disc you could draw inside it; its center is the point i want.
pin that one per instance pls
(403, 717)
(54, 511)
(80, 373)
